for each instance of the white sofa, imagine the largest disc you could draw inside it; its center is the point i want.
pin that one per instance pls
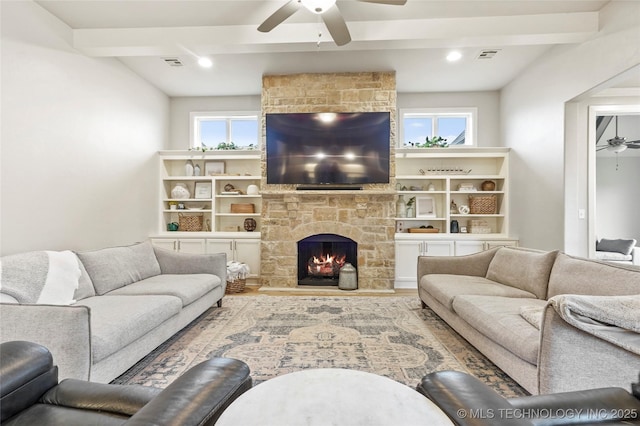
(618, 251)
(100, 312)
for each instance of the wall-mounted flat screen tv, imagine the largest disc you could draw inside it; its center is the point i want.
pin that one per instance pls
(328, 148)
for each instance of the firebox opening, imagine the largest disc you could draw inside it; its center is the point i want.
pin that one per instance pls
(321, 256)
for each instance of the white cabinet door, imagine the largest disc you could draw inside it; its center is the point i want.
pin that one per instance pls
(241, 250)
(469, 247)
(248, 251)
(436, 248)
(407, 253)
(464, 248)
(165, 243)
(183, 245)
(506, 243)
(221, 246)
(407, 260)
(195, 246)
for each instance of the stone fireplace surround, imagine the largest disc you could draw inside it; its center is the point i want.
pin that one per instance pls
(365, 216)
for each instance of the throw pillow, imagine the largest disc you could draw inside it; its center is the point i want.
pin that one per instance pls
(115, 267)
(43, 277)
(525, 269)
(618, 246)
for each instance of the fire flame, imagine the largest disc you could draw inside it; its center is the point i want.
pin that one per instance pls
(326, 265)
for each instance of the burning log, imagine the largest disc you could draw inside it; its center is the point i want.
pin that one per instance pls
(327, 265)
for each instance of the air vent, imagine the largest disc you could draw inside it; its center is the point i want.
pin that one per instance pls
(173, 62)
(488, 54)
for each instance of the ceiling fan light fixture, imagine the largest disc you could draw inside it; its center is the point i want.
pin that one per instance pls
(318, 6)
(616, 148)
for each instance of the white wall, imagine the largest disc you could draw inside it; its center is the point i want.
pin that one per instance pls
(618, 197)
(488, 104)
(546, 189)
(79, 137)
(182, 106)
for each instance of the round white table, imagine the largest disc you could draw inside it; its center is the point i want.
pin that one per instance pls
(331, 396)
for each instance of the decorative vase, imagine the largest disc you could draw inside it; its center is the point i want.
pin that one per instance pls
(250, 224)
(196, 170)
(401, 207)
(180, 191)
(253, 190)
(488, 185)
(411, 212)
(188, 168)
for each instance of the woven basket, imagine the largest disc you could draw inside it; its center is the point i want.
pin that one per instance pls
(236, 286)
(482, 204)
(190, 223)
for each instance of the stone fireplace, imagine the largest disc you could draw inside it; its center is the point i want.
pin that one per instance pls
(365, 216)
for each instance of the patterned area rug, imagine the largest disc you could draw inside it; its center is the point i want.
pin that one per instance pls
(275, 335)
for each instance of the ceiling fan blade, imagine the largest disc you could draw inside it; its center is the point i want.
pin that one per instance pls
(601, 148)
(633, 144)
(337, 27)
(390, 2)
(279, 16)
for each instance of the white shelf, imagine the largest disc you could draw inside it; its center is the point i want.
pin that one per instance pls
(241, 167)
(482, 163)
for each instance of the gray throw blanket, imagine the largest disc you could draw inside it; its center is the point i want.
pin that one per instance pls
(615, 319)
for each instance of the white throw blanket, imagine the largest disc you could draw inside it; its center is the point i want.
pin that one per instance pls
(615, 319)
(43, 277)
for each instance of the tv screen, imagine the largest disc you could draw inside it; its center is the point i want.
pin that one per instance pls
(328, 148)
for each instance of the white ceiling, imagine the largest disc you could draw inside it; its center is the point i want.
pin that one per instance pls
(412, 40)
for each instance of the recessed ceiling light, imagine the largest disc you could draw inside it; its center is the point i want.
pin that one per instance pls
(454, 56)
(205, 62)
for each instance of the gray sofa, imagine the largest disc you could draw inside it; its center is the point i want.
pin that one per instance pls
(99, 312)
(552, 322)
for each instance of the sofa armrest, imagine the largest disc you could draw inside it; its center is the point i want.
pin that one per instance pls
(119, 399)
(467, 401)
(64, 330)
(475, 264)
(172, 262)
(573, 359)
(635, 256)
(199, 396)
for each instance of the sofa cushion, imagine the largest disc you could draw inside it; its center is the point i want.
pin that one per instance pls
(188, 287)
(115, 267)
(574, 275)
(499, 319)
(44, 277)
(525, 269)
(117, 321)
(613, 256)
(445, 288)
(618, 246)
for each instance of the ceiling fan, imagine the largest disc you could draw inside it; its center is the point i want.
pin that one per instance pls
(328, 11)
(618, 144)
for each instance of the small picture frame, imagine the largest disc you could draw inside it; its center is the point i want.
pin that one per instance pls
(203, 190)
(212, 168)
(425, 207)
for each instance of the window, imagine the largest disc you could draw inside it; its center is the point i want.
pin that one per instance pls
(456, 125)
(210, 130)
